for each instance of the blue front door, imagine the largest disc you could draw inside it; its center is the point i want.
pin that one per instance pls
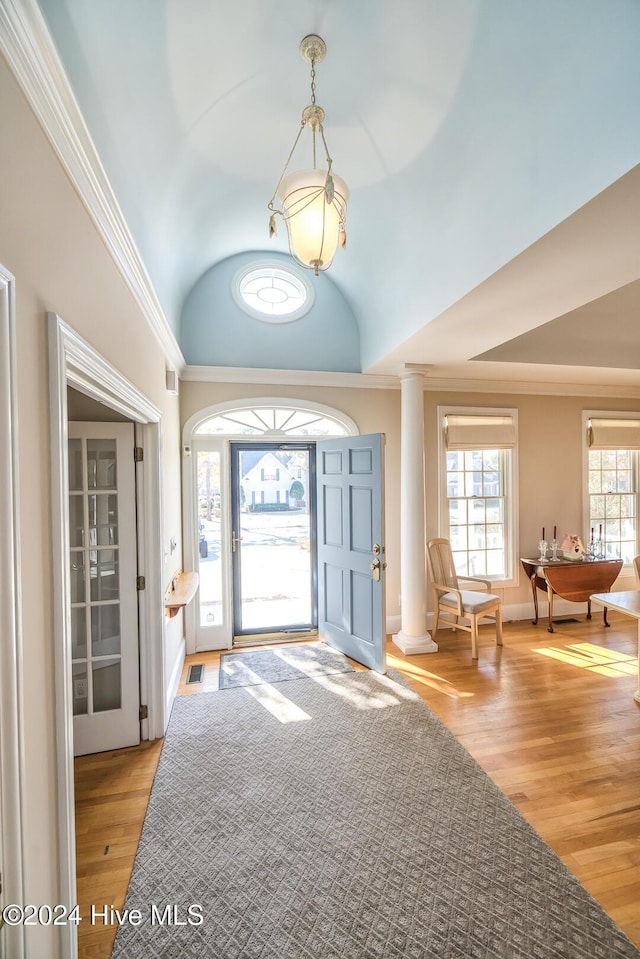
(351, 552)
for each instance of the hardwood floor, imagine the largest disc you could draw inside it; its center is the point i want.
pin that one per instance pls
(550, 717)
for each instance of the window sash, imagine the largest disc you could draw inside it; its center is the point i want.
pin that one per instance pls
(612, 500)
(478, 515)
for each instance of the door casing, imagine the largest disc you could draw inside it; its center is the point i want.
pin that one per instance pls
(191, 442)
(12, 815)
(73, 362)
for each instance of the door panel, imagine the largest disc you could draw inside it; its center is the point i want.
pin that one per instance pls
(351, 552)
(103, 593)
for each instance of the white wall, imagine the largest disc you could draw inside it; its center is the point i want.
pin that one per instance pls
(60, 264)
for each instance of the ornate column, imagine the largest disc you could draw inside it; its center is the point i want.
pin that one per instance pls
(413, 636)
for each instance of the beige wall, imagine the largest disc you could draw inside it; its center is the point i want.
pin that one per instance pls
(60, 264)
(550, 457)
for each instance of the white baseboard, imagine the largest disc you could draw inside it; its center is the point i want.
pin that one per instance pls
(174, 681)
(393, 624)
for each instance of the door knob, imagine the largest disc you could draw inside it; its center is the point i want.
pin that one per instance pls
(375, 567)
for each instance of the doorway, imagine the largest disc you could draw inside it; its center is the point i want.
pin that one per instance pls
(273, 539)
(74, 363)
(259, 423)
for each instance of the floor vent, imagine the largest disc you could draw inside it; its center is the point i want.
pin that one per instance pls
(195, 674)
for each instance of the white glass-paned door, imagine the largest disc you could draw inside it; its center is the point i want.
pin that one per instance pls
(103, 593)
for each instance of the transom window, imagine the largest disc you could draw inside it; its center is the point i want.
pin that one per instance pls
(273, 421)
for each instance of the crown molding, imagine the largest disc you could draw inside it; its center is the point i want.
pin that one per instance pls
(391, 381)
(230, 374)
(530, 388)
(31, 55)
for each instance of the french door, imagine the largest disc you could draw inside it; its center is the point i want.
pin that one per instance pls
(273, 538)
(103, 589)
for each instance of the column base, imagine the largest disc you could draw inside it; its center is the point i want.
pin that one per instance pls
(413, 645)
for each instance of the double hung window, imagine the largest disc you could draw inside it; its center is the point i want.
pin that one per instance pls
(478, 450)
(613, 460)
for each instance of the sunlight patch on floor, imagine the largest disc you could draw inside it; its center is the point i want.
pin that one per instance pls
(419, 675)
(278, 705)
(605, 662)
(347, 686)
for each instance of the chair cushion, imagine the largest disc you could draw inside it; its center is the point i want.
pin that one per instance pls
(472, 601)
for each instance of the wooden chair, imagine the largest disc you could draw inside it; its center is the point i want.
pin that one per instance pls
(450, 600)
(636, 566)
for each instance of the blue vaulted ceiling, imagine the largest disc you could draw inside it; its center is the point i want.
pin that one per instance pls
(468, 132)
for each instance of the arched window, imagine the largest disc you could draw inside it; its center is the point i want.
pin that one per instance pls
(271, 419)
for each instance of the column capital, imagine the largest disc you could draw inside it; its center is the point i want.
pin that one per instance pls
(413, 370)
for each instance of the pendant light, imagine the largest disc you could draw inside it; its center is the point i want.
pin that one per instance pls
(312, 202)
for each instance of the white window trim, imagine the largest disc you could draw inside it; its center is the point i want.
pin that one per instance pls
(512, 512)
(288, 271)
(612, 415)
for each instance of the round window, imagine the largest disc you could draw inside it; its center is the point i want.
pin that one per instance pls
(272, 294)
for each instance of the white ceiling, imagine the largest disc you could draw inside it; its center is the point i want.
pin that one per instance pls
(491, 148)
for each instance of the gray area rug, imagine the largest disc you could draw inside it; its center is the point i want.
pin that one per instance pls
(360, 829)
(280, 665)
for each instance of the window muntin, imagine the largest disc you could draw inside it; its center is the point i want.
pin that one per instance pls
(476, 511)
(272, 421)
(612, 482)
(478, 463)
(273, 294)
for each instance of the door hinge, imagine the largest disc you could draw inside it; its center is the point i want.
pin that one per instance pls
(143, 713)
(138, 454)
(141, 583)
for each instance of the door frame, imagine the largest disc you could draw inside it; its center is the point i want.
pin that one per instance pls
(73, 362)
(235, 447)
(190, 443)
(12, 848)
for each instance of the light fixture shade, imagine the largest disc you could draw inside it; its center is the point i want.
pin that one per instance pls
(314, 216)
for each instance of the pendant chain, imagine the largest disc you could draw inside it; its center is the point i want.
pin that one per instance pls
(313, 83)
